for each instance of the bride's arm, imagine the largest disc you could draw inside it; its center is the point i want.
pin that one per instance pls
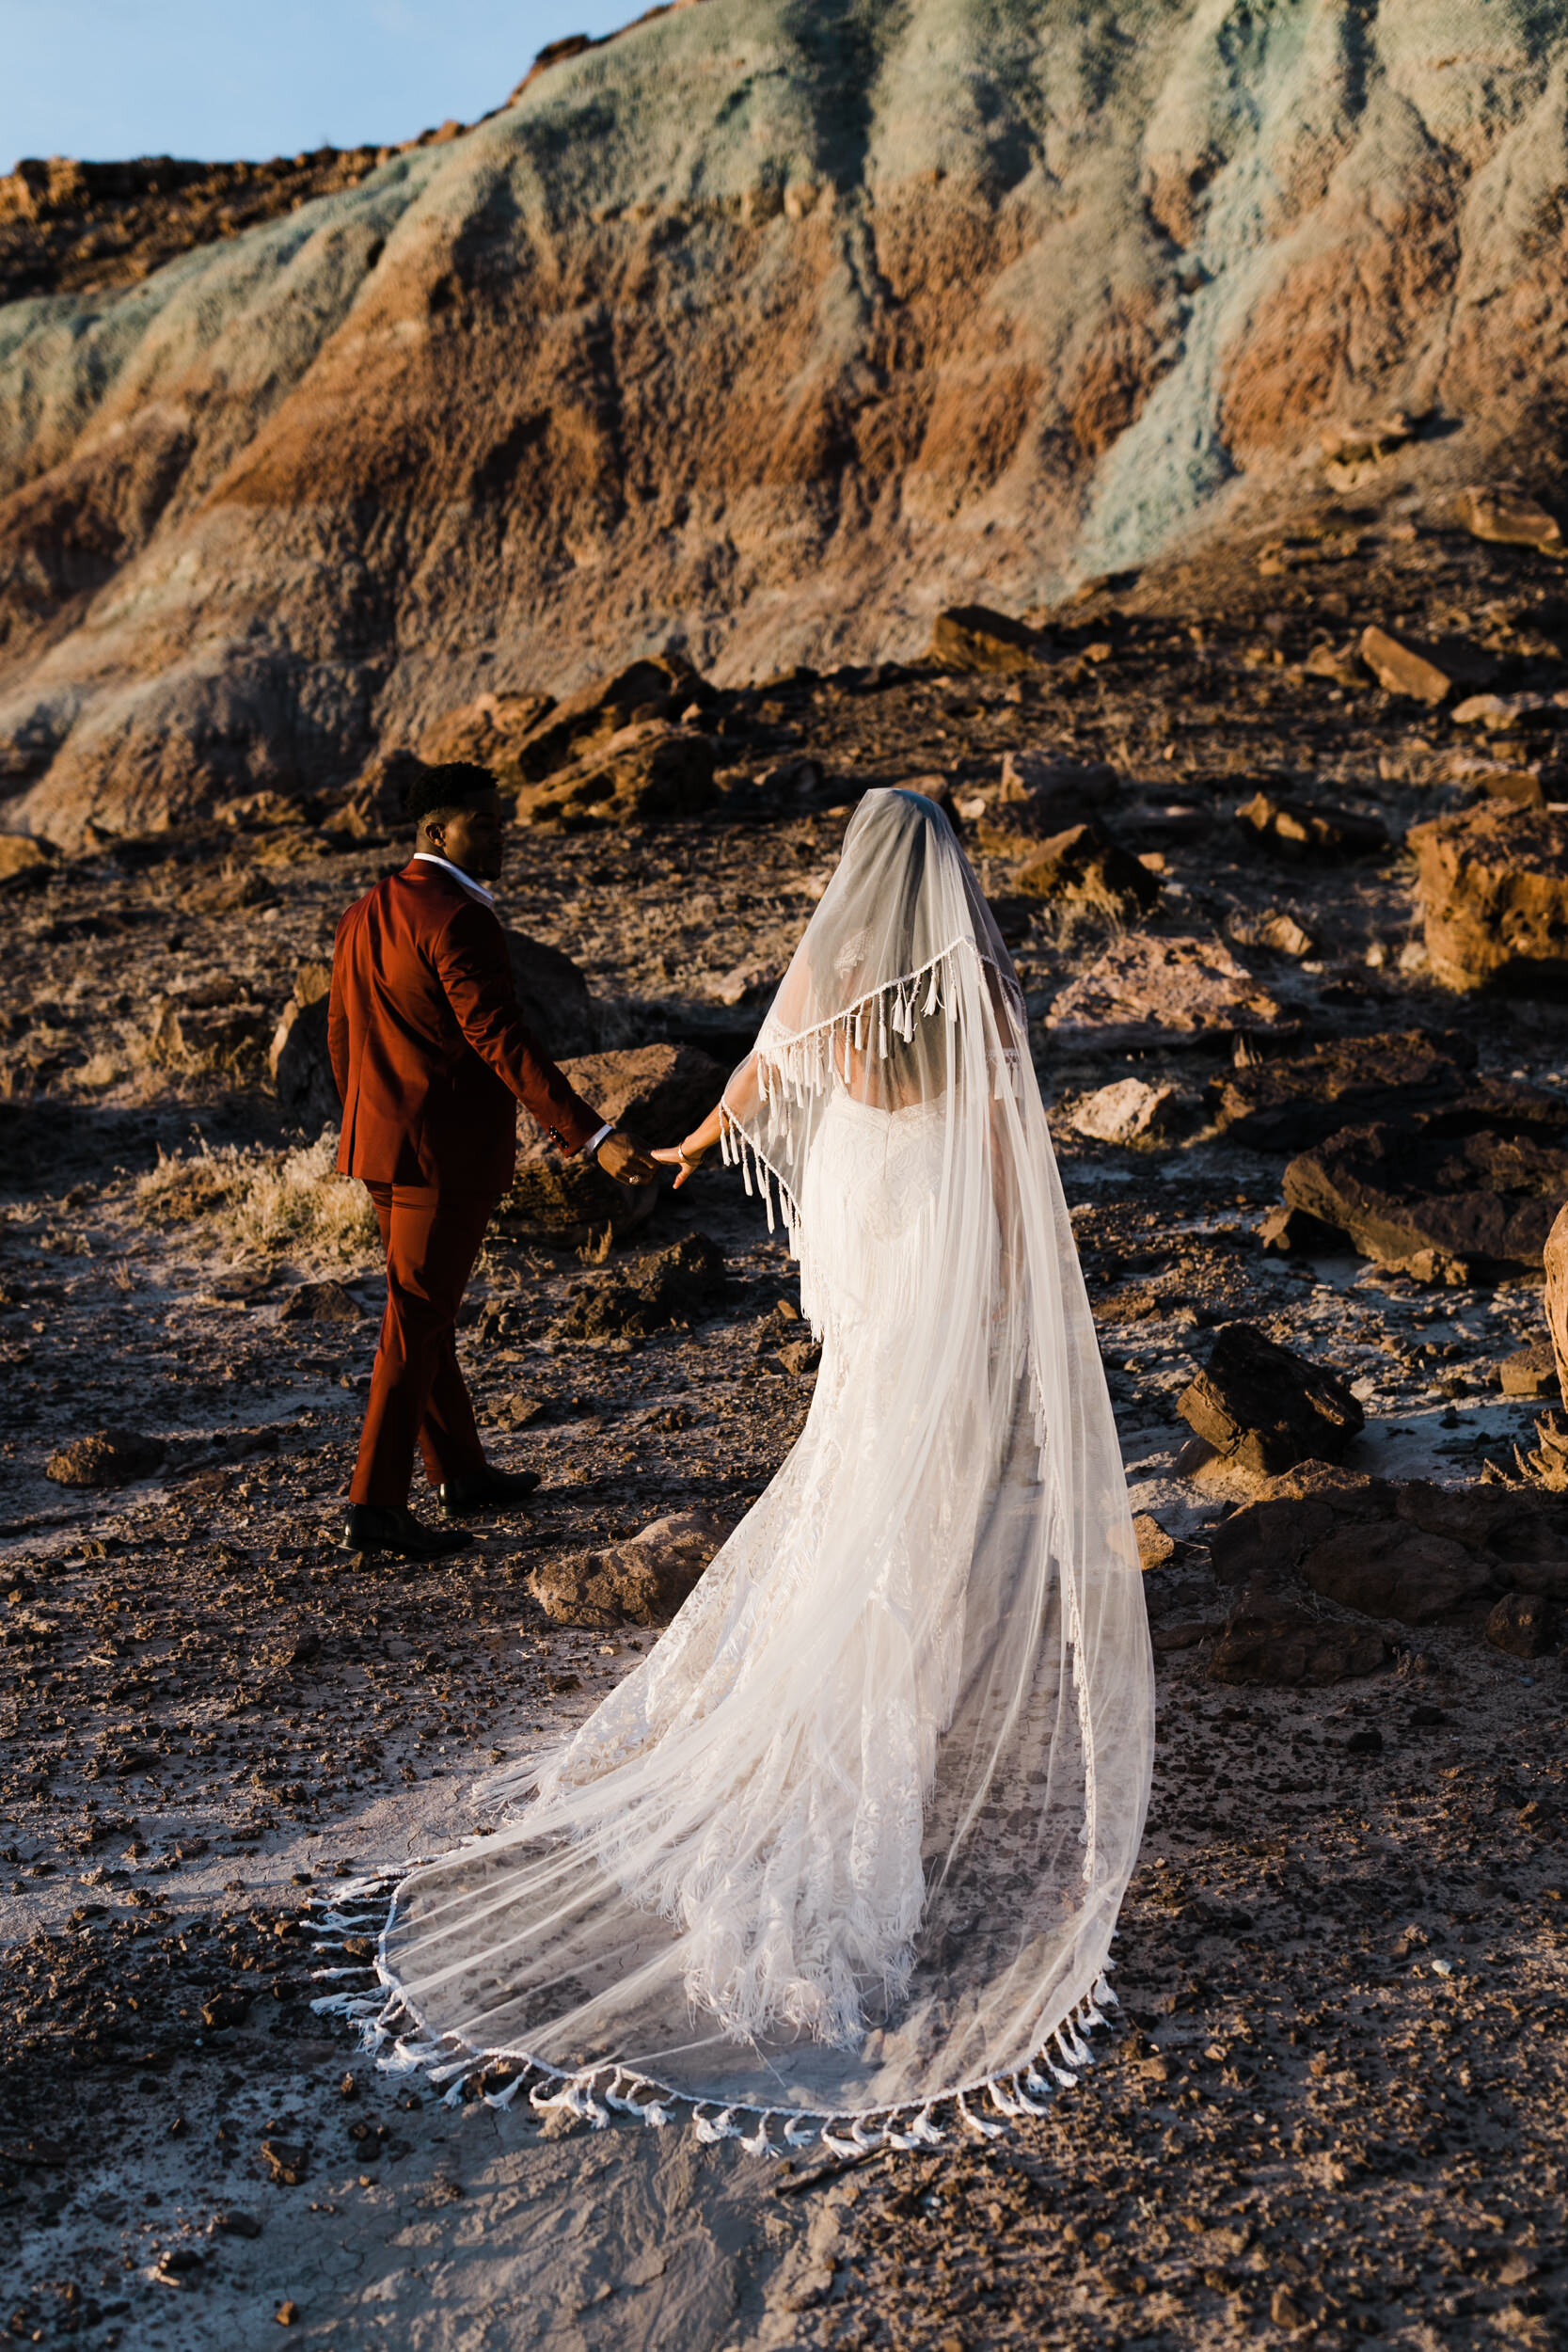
(689, 1155)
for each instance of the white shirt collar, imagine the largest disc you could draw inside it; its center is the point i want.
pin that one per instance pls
(474, 889)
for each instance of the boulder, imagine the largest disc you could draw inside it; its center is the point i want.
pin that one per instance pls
(110, 1458)
(972, 637)
(206, 1037)
(1340, 664)
(1399, 669)
(1290, 1641)
(1412, 1552)
(374, 803)
(1500, 714)
(1127, 1112)
(554, 997)
(491, 731)
(1271, 1536)
(682, 1284)
(642, 1582)
(1508, 519)
(301, 1069)
(1156, 1549)
(1554, 1257)
(321, 1302)
(1275, 927)
(1524, 1624)
(1148, 991)
(645, 691)
(1388, 1569)
(1286, 1103)
(570, 1203)
(22, 861)
(1529, 1372)
(1084, 867)
(1264, 1409)
(647, 773)
(1290, 1232)
(1464, 1192)
(1495, 776)
(1297, 829)
(1041, 794)
(552, 991)
(658, 1093)
(1492, 883)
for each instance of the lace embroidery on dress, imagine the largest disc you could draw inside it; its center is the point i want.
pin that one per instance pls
(851, 1839)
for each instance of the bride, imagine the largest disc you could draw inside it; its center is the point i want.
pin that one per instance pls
(846, 1850)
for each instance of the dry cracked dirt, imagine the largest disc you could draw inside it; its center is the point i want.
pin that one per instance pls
(1334, 2109)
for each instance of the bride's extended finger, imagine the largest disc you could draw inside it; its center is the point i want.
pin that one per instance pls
(670, 1154)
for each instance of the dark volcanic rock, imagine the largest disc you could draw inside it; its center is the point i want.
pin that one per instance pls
(972, 637)
(1492, 886)
(564, 732)
(1042, 793)
(321, 1302)
(301, 1069)
(1508, 519)
(1084, 867)
(1460, 1193)
(639, 1582)
(110, 1458)
(1529, 1372)
(680, 1284)
(1264, 1409)
(1524, 1624)
(1285, 1640)
(554, 997)
(658, 1093)
(1416, 1552)
(568, 1203)
(645, 775)
(1297, 829)
(1285, 1104)
(1388, 1569)
(552, 991)
(1401, 669)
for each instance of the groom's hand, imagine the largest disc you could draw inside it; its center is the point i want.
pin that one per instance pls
(627, 1161)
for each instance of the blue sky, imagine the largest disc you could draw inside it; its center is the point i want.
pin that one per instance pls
(108, 78)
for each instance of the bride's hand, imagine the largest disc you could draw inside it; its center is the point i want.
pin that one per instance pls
(681, 1157)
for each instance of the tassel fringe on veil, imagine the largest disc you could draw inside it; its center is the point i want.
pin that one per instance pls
(845, 1851)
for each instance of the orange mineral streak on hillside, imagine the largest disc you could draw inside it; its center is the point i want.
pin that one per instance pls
(764, 332)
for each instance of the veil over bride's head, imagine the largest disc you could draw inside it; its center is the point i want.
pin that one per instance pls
(853, 1838)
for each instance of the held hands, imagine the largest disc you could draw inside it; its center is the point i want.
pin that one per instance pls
(686, 1158)
(627, 1161)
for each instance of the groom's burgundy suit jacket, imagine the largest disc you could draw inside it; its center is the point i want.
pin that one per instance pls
(429, 1046)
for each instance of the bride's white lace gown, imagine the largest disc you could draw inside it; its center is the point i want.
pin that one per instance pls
(853, 1835)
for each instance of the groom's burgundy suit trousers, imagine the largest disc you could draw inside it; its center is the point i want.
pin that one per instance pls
(417, 1395)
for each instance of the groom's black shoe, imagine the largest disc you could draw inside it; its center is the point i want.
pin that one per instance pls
(392, 1527)
(488, 1489)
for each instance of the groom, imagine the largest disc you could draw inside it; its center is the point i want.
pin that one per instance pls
(431, 1054)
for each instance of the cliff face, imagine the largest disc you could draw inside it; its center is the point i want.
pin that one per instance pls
(767, 328)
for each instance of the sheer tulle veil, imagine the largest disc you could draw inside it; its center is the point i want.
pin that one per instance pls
(851, 1841)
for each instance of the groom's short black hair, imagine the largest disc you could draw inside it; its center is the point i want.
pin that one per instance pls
(454, 783)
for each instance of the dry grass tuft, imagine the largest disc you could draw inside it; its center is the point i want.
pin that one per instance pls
(265, 1201)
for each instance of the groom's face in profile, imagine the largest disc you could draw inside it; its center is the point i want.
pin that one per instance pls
(472, 836)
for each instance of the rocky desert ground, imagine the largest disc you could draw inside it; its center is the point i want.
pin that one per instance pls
(1333, 2109)
(1140, 429)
